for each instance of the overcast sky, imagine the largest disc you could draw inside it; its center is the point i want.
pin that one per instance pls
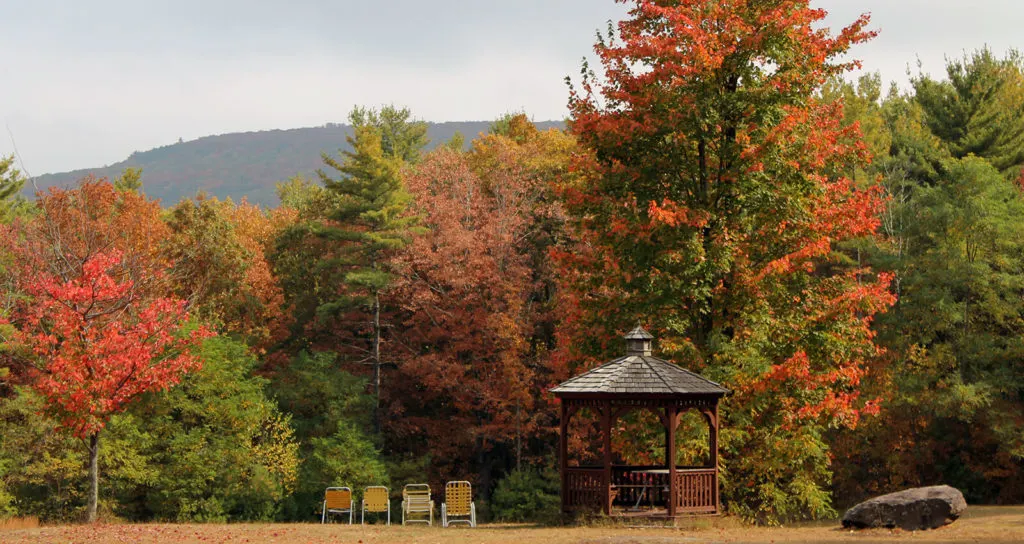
(85, 83)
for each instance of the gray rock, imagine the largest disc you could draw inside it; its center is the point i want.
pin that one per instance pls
(910, 510)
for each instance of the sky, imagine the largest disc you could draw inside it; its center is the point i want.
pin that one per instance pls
(86, 83)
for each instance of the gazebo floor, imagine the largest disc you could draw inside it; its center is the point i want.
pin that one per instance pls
(654, 514)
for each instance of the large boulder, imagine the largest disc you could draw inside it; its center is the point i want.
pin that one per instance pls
(911, 510)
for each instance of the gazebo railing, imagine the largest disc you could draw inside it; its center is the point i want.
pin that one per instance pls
(642, 487)
(698, 491)
(584, 487)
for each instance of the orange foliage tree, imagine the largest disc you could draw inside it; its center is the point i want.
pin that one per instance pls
(709, 211)
(476, 296)
(219, 250)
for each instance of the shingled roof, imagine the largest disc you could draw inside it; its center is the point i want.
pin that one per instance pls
(640, 373)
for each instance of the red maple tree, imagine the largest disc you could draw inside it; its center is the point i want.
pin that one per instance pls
(90, 317)
(97, 353)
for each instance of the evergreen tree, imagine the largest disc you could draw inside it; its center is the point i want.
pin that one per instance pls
(400, 137)
(951, 239)
(129, 180)
(979, 110)
(11, 184)
(956, 396)
(369, 222)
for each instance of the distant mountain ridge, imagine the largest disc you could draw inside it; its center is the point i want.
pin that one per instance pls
(245, 164)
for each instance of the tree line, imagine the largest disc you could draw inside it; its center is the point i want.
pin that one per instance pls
(847, 260)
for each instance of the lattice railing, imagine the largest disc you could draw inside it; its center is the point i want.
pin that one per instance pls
(584, 487)
(697, 491)
(642, 487)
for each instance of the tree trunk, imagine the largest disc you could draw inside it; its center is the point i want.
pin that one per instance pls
(519, 436)
(94, 477)
(376, 363)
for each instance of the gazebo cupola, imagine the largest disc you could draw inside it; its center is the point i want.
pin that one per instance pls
(640, 381)
(638, 341)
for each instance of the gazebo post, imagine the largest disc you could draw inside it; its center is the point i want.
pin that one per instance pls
(670, 459)
(713, 449)
(563, 453)
(606, 428)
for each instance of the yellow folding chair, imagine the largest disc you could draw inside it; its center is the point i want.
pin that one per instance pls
(458, 502)
(377, 500)
(417, 507)
(337, 500)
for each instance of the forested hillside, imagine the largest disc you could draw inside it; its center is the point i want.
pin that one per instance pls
(246, 164)
(846, 257)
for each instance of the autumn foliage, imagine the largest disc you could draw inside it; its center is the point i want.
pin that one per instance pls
(472, 291)
(90, 312)
(848, 265)
(219, 252)
(710, 210)
(98, 353)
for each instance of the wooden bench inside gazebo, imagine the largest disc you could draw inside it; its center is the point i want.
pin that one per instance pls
(639, 381)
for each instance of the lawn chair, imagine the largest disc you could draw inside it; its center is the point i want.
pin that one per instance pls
(416, 504)
(458, 502)
(376, 499)
(337, 500)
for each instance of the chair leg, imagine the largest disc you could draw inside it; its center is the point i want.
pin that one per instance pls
(323, 514)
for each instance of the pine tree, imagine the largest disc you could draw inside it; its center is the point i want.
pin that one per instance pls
(400, 136)
(979, 110)
(369, 222)
(129, 180)
(11, 184)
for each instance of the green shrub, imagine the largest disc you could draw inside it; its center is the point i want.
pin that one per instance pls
(42, 469)
(214, 448)
(331, 414)
(527, 495)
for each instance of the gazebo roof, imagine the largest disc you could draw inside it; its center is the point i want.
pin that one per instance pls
(640, 375)
(638, 333)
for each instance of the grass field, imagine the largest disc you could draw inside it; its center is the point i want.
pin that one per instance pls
(980, 524)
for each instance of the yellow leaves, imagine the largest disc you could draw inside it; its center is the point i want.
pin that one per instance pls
(220, 249)
(276, 449)
(545, 155)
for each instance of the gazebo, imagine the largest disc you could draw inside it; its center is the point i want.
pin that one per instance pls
(634, 382)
